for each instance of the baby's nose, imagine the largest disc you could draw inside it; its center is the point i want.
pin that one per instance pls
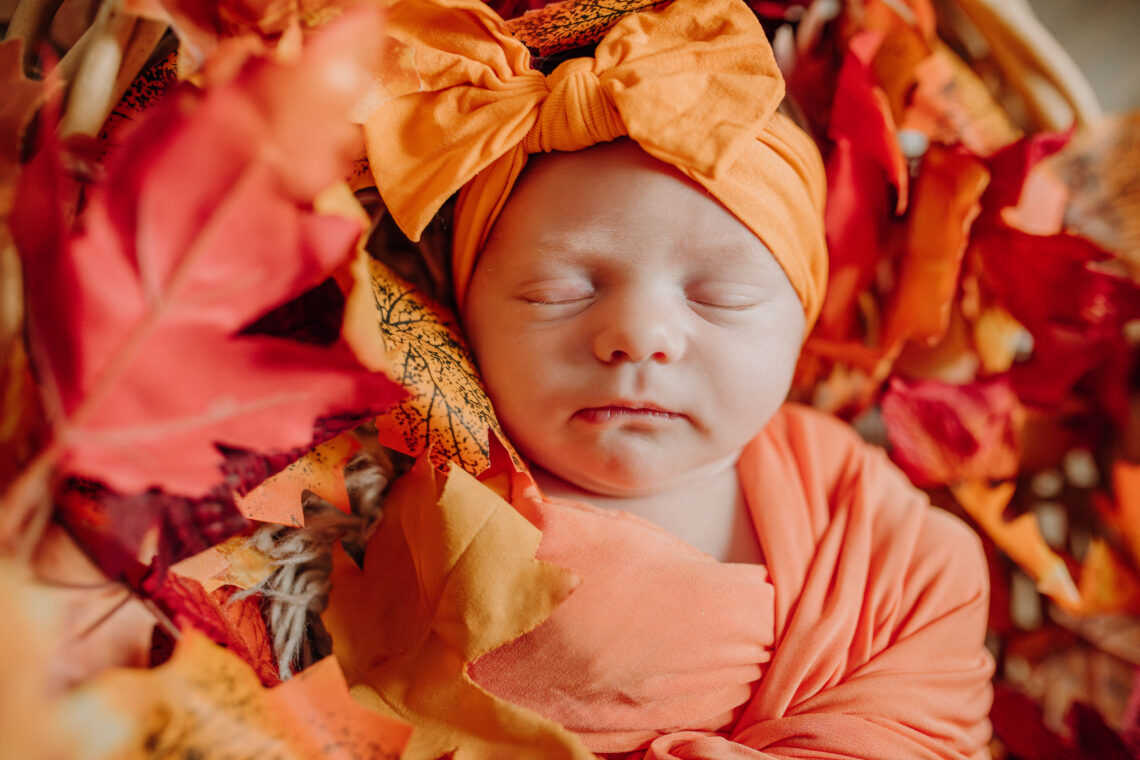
(640, 328)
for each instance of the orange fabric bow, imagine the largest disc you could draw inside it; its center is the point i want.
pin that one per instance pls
(694, 84)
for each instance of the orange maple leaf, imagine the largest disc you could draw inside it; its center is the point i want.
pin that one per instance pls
(278, 499)
(1020, 538)
(944, 203)
(573, 23)
(1126, 514)
(1107, 584)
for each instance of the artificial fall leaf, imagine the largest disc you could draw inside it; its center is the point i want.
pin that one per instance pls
(905, 43)
(861, 113)
(1099, 168)
(944, 434)
(1075, 309)
(22, 97)
(1069, 698)
(857, 219)
(1009, 168)
(1115, 634)
(950, 104)
(842, 389)
(235, 623)
(1020, 538)
(234, 562)
(569, 24)
(867, 183)
(952, 359)
(103, 623)
(265, 26)
(844, 375)
(449, 575)
(202, 225)
(1106, 583)
(997, 337)
(1019, 724)
(392, 327)
(278, 499)
(1094, 738)
(1126, 513)
(205, 703)
(31, 639)
(1058, 286)
(944, 204)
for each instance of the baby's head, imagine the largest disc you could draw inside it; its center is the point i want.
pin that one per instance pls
(631, 331)
(639, 237)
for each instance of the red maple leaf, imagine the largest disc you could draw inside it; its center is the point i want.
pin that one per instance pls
(236, 624)
(203, 223)
(942, 433)
(867, 182)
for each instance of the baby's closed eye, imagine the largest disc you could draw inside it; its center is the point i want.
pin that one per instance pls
(732, 296)
(556, 292)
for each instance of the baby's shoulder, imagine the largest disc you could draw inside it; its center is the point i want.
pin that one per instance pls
(815, 449)
(841, 477)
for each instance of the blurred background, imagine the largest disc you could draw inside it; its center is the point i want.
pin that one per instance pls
(1101, 35)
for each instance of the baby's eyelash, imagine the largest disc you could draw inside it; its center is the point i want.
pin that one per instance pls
(730, 301)
(553, 301)
(556, 294)
(733, 304)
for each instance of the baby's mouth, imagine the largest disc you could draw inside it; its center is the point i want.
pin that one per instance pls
(626, 412)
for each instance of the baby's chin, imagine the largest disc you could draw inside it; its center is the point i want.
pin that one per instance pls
(630, 479)
(581, 486)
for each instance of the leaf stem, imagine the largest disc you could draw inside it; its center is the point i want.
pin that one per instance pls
(26, 506)
(163, 619)
(30, 22)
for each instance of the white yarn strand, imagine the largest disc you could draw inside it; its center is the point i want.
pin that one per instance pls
(297, 590)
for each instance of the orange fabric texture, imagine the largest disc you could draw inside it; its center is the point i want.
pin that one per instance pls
(694, 84)
(862, 637)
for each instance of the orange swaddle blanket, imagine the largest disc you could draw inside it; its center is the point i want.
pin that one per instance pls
(861, 638)
(656, 637)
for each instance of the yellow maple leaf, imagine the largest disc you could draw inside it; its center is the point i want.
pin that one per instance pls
(208, 704)
(449, 575)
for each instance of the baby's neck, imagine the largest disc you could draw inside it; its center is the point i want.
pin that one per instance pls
(708, 512)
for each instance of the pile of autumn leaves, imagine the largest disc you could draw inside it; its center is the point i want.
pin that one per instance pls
(963, 315)
(211, 212)
(980, 321)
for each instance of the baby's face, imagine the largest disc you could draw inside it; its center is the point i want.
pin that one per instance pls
(630, 330)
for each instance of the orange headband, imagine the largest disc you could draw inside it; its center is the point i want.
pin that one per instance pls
(694, 84)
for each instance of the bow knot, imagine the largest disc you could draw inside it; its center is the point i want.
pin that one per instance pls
(691, 83)
(576, 114)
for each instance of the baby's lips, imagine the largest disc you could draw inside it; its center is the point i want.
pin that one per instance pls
(626, 411)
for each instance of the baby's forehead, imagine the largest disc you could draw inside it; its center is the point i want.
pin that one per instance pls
(566, 206)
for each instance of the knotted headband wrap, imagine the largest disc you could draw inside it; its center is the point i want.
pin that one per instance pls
(694, 84)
